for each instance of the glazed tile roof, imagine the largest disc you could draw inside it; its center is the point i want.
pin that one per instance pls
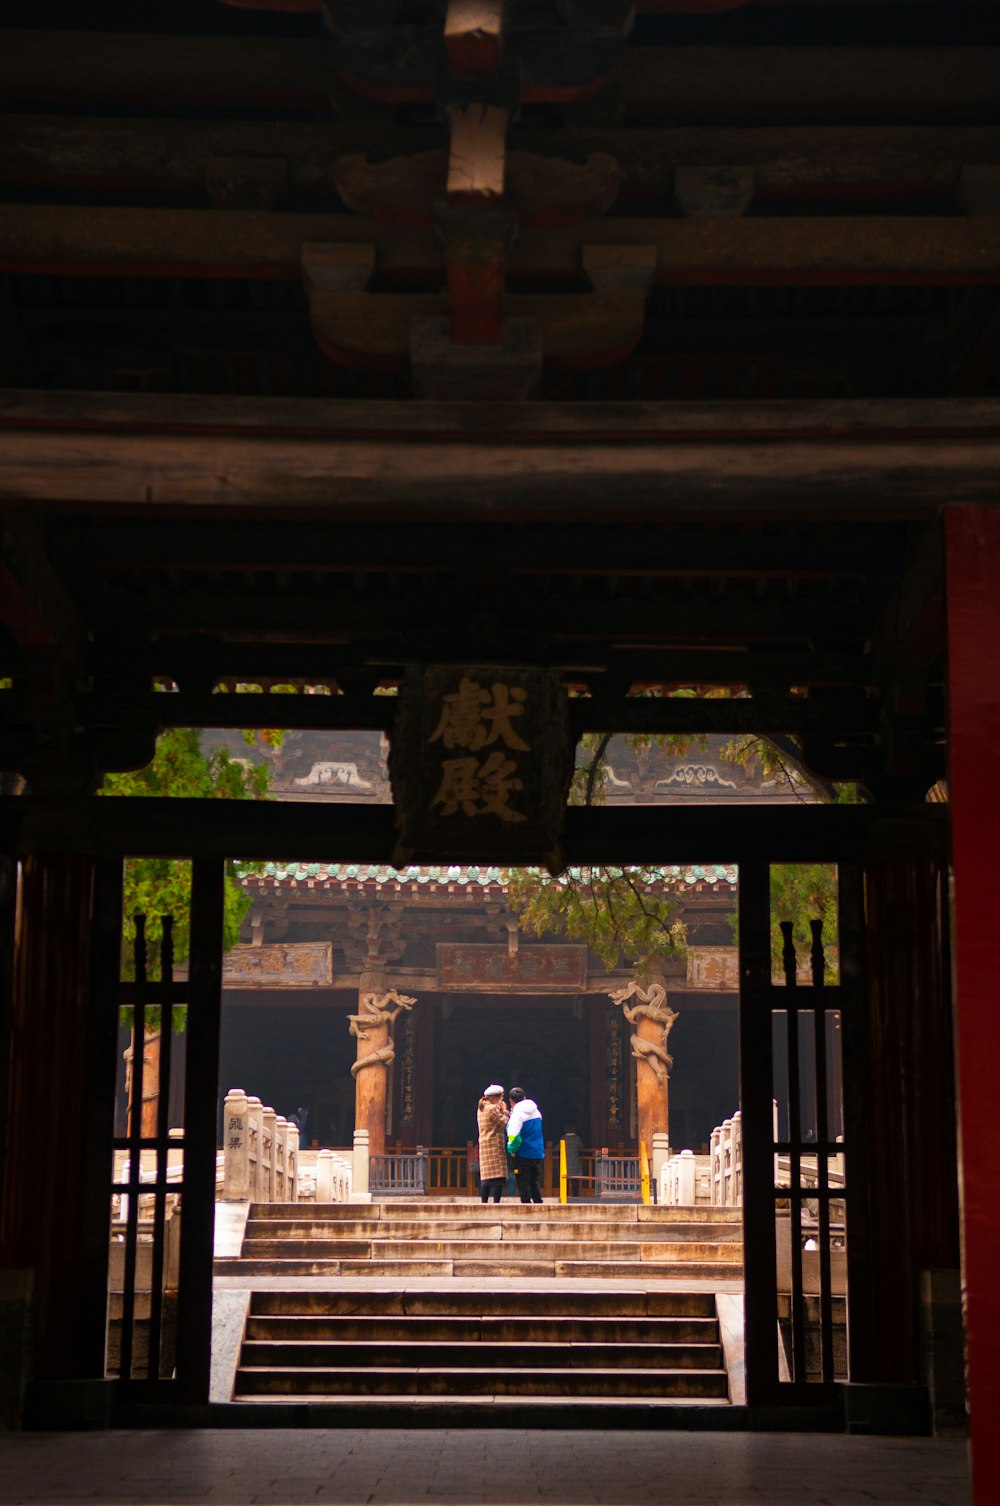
(472, 878)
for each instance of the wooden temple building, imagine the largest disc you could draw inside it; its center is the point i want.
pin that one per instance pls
(492, 1000)
(537, 360)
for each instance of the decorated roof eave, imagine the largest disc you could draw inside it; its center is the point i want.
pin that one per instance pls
(486, 883)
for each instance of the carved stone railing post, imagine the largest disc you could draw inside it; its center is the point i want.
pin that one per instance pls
(268, 1119)
(361, 1175)
(686, 1186)
(737, 1159)
(324, 1176)
(260, 1152)
(659, 1154)
(279, 1157)
(292, 1165)
(378, 1007)
(255, 1136)
(727, 1163)
(236, 1148)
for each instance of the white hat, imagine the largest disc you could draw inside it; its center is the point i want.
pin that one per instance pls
(494, 1090)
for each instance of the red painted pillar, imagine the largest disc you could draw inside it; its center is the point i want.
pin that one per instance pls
(973, 583)
(59, 1120)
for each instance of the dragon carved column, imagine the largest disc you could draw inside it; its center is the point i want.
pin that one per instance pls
(378, 1007)
(651, 1019)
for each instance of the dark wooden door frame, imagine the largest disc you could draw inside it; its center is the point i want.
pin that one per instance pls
(211, 831)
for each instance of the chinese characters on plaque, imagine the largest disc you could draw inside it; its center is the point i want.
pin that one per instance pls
(472, 967)
(480, 765)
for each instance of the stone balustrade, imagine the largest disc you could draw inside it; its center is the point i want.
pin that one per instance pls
(686, 1180)
(334, 1177)
(689, 1180)
(726, 1153)
(261, 1152)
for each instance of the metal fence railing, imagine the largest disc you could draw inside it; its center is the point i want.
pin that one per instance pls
(404, 1173)
(453, 1171)
(618, 1177)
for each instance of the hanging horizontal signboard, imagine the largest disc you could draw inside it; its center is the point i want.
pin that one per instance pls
(297, 964)
(532, 969)
(480, 763)
(714, 967)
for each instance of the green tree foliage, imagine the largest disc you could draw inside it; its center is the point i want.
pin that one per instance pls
(162, 886)
(617, 912)
(623, 913)
(801, 892)
(620, 913)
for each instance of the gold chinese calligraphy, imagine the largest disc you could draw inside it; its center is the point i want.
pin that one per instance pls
(480, 765)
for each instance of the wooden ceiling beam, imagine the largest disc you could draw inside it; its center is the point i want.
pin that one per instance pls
(808, 250)
(335, 832)
(850, 717)
(807, 85)
(90, 549)
(160, 416)
(168, 155)
(193, 661)
(594, 618)
(853, 716)
(777, 669)
(441, 463)
(953, 85)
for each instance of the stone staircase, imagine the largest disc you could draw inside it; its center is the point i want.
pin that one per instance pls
(518, 1356)
(497, 1315)
(439, 1238)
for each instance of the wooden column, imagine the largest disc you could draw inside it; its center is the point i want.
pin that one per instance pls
(650, 1018)
(57, 1148)
(378, 1007)
(150, 1084)
(972, 545)
(911, 1150)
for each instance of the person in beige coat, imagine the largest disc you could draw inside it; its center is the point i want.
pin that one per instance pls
(492, 1119)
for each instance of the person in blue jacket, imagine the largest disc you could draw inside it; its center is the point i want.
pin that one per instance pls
(526, 1144)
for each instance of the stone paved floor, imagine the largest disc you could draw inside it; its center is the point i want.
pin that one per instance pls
(350, 1467)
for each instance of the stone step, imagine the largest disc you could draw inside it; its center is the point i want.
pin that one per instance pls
(498, 1250)
(476, 1354)
(510, 1268)
(566, 1413)
(518, 1304)
(431, 1208)
(539, 1228)
(315, 1328)
(458, 1381)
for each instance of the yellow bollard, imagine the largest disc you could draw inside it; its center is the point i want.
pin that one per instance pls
(562, 1171)
(644, 1172)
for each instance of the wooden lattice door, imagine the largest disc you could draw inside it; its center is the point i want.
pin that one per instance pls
(802, 1099)
(163, 1174)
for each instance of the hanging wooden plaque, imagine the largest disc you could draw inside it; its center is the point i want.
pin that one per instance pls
(475, 968)
(480, 764)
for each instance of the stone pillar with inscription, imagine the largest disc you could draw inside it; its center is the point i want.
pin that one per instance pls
(378, 1008)
(236, 1149)
(651, 1018)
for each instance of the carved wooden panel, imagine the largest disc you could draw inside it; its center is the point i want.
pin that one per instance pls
(306, 964)
(714, 967)
(493, 969)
